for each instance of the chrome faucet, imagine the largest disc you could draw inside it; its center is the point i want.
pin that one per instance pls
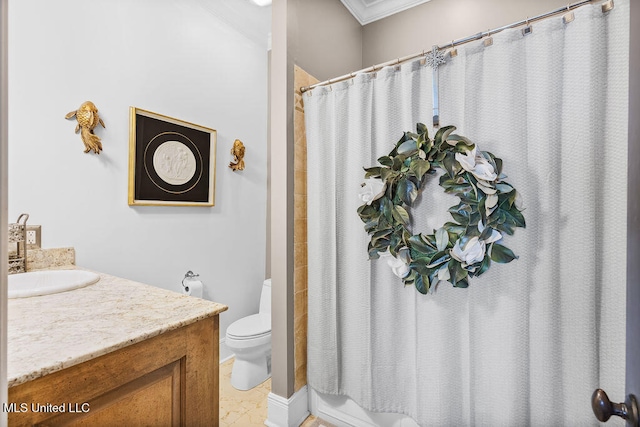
(18, 237)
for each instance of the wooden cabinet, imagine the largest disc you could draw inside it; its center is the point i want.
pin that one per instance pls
(167, 380)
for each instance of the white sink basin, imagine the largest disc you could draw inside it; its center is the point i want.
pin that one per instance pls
(47, 282)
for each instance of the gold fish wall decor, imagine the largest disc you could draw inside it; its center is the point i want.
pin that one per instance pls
(87, 118)
(238, 156)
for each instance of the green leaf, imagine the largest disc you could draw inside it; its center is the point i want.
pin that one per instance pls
(421, 128)
(380, 234)
(386, 161)
(373, 224)
(457, 273)
(502, 254)
(462, 283)
(395, 242)
(408, 148)
(497, 162)
(420, 266)
(398, 162)
(421, 140)
(419, 167)
(438, 259)
(420, 248)
(422, 284)
(443, 134)
(503, 187)
(367, 211)
(387, 174)
(387, 208)
(486, 263)
(458, 189)
(454, 139)
(372, 172)
(514, 216)
(407, 191)
(401, 215)
(486, 233)
(442, 239)
(454, 228)
(449, 164)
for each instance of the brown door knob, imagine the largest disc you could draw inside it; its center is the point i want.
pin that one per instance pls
(603, 408)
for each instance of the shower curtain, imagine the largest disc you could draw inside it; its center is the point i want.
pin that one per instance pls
(529, 341)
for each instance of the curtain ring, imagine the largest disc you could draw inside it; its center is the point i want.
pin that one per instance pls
(569, 16)
(453, 52)
(488, 41)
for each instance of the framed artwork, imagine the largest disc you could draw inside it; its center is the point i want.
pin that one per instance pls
(171, 162)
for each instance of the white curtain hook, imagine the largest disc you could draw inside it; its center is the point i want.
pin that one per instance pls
(453, 52)
(569, 16)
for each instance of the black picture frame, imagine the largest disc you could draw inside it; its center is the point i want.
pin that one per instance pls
(171, 162)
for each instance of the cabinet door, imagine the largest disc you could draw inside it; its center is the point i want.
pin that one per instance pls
(168, 380)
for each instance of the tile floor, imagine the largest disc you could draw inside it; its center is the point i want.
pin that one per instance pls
(244, 408)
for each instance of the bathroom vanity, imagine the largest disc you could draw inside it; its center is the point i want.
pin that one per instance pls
(116, 352)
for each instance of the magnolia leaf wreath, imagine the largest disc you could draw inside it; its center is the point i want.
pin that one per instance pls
(460, 249)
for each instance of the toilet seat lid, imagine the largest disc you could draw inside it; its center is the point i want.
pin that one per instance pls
(254, 326)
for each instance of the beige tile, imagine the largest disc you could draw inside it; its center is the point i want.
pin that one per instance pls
(300, 209)
(251, 419)
(300, 303)
(300, 278)
(309, 421)
(300, 341)
(300, 155)
(300, 228)
(300, 377)
(241, 408)
(299, 254)
(301, 355)
(300, 183)
(298, 121)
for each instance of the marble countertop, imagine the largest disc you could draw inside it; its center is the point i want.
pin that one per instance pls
(53, 332)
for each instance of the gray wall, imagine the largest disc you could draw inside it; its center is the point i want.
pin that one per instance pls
(439, 22)
(324, 38)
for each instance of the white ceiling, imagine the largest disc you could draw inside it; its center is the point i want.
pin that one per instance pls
(245, 16)
(255, 21)
(367, 11)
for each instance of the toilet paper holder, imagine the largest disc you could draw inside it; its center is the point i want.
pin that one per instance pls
(189, 275)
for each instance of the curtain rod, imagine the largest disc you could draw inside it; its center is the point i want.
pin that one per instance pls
(606, 6)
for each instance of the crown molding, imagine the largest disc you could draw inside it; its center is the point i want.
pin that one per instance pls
(367, 11)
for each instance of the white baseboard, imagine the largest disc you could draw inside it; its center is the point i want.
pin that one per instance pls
(289, 412)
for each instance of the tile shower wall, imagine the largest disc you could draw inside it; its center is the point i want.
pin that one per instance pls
(302, 78)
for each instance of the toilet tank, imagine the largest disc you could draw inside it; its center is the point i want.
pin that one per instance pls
(265, 297)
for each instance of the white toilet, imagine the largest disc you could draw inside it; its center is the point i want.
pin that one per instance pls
(250, 339)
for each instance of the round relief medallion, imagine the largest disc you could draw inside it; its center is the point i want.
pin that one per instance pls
(174, 162)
